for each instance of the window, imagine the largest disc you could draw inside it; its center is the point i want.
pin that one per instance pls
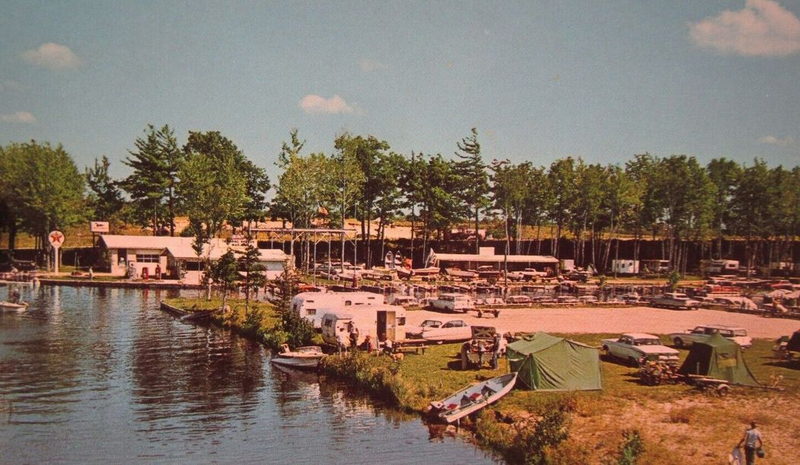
(147, 258)
(311, 311)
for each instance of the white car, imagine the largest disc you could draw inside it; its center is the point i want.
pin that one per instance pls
(635, 348)
(415, 332)
(701, 333)
(675, 300)
(452, 302)
(442, 331)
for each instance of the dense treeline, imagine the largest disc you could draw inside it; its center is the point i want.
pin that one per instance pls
(675, 198)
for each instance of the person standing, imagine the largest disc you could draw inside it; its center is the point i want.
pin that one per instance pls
(353, 330)
(752, 443)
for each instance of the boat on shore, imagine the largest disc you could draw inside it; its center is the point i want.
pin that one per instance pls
(13, 306)
(302, 357)
(473, 398)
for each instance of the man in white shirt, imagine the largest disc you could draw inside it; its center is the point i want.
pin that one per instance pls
(752, 442)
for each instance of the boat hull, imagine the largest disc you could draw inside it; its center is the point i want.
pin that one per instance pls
(297, 362)
(14, 307)
(307, 357)
(474, 397)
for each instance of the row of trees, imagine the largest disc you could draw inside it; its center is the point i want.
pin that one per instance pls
(210, 180)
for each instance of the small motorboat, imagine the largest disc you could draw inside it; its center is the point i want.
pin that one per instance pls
(301, 357)
(473, 398)
(13, 306)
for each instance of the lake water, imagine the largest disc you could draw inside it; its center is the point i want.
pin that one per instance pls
(94, 375)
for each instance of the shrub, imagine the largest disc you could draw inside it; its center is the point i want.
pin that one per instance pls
(632, 447)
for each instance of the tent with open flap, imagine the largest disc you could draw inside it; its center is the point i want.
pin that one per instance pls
(549, 363)
(720, 358)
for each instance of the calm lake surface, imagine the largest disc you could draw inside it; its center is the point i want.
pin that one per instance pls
(93, 375)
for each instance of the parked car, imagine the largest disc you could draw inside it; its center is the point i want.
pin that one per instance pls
(701, 333)
(675, 300)
(416, 331)
(447, 331)
(518, 299)
(636, 348)
(453, 302)
(404, 300)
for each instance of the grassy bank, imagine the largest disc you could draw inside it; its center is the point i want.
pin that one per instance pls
(659, 425)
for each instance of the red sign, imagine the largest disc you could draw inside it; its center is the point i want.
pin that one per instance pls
(56, 239)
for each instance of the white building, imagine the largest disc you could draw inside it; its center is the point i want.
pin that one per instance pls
(174, 257)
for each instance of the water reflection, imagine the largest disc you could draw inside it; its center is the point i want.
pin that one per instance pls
(94, 375)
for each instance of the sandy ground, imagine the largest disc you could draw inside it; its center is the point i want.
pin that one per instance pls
(614, 320)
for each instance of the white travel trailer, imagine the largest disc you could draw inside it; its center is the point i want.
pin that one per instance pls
(625, 266)
(309, 304)
(380, 322)
(723, 266)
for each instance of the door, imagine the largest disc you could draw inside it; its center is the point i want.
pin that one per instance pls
(387, 325)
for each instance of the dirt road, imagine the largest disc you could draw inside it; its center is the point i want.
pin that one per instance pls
(614, 320)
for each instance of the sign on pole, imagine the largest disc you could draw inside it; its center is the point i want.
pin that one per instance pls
(56, 239)
(99, 227)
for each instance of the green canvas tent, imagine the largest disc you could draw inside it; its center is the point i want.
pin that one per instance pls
(718, 357)
(548, 363)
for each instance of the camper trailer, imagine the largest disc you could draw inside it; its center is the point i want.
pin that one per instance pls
(380, 322)
(309, 304)
(625, 266)
(723, 267)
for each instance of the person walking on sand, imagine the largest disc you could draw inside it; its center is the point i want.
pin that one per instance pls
(752, 443)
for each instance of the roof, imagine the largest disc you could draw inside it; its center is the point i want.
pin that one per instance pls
(114, 241)
(181, 247)
(640, 335)
(215, 249)
(481, 258)
(272, 255)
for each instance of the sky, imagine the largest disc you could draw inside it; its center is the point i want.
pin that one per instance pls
(540, 80)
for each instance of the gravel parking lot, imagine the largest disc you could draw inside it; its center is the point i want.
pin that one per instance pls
(614, 320)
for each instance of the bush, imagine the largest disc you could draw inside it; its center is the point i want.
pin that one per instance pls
(632, 447)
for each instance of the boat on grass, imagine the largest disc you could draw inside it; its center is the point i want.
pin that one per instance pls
(13, 306)
(473, 398)
(301, 357)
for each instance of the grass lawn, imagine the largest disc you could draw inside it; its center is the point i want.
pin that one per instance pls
(679, 423)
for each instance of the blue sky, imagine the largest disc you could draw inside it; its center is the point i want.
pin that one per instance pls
(540, 80)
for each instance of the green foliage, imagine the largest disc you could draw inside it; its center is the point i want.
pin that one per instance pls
(296, 330)
(303, 187)
(672, 280)
(473, 178)
(41, 189)
(155, 163)
(254, 277)
(211, 189)
(104, 197)
(632, 447)
(224, 152)
(224, 272)
(532, 442)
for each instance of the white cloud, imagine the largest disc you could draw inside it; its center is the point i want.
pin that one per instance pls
(761, 28)
(314, 104)
(18, 117)
(369, 66)
(52, 56)
(772, 140)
